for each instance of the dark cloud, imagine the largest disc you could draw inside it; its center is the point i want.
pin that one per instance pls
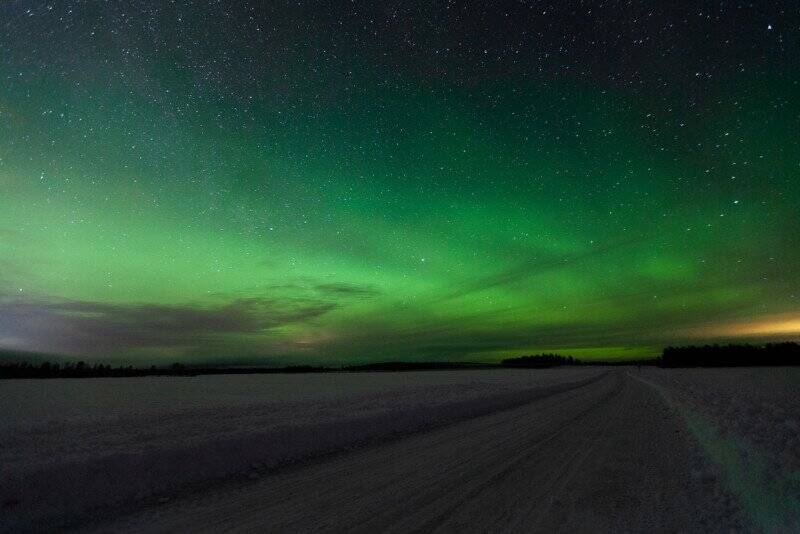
(344, 290)
(249, 329)
(239, 324)
(532, 267)
(304, 288)
(92, 327)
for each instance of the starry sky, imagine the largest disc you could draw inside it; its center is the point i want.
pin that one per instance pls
(326, 182)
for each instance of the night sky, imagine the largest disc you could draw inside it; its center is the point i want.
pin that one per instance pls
(346, 181)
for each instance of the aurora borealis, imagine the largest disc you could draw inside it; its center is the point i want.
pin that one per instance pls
(356, 181)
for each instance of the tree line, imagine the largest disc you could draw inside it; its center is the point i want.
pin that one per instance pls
(733, 355)
(540, 361)
(83, 370)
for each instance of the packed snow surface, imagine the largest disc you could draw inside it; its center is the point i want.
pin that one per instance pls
(747, 421)
(607, 455)
(616, 449)
(76, 446)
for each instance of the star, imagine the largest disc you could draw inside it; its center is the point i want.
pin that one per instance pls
(286, 179)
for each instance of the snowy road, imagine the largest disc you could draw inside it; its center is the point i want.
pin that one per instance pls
(607, 455)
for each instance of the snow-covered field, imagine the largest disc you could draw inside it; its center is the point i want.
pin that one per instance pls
(73, 448)
(620, 449)
(747, 421)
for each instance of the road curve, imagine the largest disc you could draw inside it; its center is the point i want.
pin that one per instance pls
(606, 456)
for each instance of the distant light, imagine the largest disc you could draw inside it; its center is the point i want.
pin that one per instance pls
(769, 27)
(780, 325)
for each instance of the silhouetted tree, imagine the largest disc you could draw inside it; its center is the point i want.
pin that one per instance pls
(771, 354)
(540, 361)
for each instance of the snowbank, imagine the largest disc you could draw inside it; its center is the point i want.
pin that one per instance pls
(748, 422)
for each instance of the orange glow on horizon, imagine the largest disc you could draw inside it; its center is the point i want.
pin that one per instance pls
(776, 325)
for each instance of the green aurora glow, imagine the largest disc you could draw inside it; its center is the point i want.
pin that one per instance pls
(162, 201)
